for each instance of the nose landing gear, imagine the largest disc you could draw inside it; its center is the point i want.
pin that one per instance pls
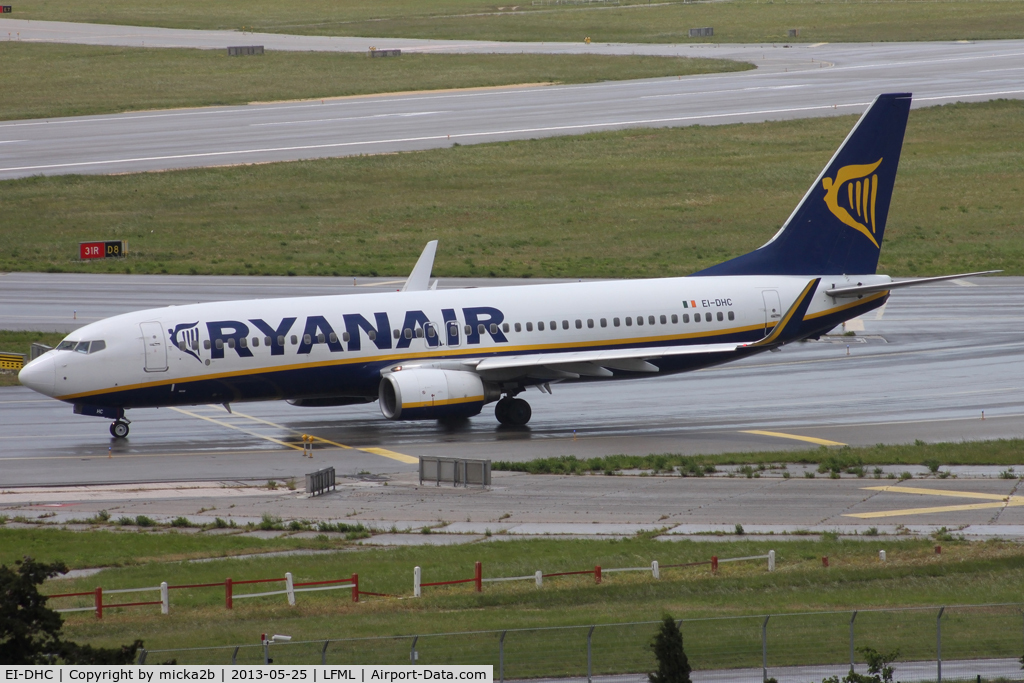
(513, 411)
(119, 428)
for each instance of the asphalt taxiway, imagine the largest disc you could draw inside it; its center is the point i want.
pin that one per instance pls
(797, 81)
(929, 366)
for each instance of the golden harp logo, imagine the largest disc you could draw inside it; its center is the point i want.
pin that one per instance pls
(854, 205)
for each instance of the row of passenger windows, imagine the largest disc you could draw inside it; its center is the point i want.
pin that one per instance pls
(453, 331)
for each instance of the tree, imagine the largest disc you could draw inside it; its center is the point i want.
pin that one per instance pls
(30, 632)
(673, 666)
(879, 669)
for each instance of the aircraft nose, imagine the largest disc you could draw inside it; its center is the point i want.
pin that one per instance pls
(40, 375)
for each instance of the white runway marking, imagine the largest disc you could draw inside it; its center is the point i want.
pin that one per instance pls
(349, 118)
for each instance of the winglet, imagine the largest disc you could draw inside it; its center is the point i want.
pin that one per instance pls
(785, 330)
(419, 278)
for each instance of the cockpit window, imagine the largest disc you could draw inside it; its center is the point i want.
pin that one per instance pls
(66, 345)
(82, 347)
(98, 345)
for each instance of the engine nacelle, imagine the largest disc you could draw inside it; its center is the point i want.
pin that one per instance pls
(429, 394)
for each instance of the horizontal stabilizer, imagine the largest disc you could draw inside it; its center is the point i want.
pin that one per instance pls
(861, 290)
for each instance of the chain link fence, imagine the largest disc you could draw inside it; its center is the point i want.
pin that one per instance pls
(961, 642)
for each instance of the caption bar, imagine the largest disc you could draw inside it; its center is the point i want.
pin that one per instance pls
(227, 674)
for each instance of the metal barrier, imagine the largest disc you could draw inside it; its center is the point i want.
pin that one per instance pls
(455, 470)
(320, 481)
(11, 361)
(241, 50)
(705, 32)
(374, 52)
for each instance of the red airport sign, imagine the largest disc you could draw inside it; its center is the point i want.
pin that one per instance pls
(5, 9)
(93, 250)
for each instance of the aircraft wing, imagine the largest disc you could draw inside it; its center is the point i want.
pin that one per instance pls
(598, 363)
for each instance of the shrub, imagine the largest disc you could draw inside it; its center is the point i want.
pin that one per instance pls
(181, 522)
(270, 523)
(673, 666)
(143, 520)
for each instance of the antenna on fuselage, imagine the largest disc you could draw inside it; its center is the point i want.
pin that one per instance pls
(419, 278)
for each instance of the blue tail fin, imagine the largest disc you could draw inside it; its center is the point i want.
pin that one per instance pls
(838, 226)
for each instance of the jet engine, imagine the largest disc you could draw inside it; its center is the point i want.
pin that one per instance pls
(430, 394)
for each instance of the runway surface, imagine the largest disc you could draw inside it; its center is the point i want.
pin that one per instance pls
(791, 82)
(924, 367)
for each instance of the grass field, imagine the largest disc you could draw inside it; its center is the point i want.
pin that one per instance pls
(630, 21)
(965, 573)
(637, 203)
(47, 80)
(845, 459)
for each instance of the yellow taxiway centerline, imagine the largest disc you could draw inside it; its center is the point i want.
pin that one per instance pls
(231, 426)
(796, 437)
(400, 457)
(941, 492)
(998, 502)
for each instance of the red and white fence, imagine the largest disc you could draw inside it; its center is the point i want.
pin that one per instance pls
(290, 589)
(538, 577)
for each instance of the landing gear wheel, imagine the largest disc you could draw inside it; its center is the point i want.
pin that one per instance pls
(119, 429)
(518, 412)
(501, 410)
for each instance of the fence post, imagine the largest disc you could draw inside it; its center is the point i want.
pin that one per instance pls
(501, 657)
(266, 650)
(323, 652)
(854, 616)
(142, 656)
(99, 602)
(938, 644)
(416, 574)
(413, 655)
(771, 560)
(165, 599)
(655, 571)
(289, 587)
(590, 633)
(478, 576)
(355, 588)
(234, 655)
(597, 574)
(714, 564)
(539, 577)
(228, 600)
(764, 648)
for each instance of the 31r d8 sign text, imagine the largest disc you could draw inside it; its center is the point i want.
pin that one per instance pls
(91, 250)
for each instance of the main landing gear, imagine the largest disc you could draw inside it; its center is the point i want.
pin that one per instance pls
(512, 411)
(119, 428)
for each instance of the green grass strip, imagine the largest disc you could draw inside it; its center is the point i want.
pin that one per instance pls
(845, 459)
(48, 80)
(670, 201)
(756, 21)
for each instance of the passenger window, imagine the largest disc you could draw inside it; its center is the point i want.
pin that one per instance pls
(220, 344)
(629, 321)
(373, 335)
(345, 336)
(481, 329)
(206, 344)
(615, 321)
(675, 318)
(650, 319)
(100, 345)
(295, 339)
(529, 327)
(639, 320)
(494, 328)
(396, 333)
(604, 322)
(664, 320)
(590, 323)
(504, 327)
(720, 317)
(686, 317)
(407, 333)
(430, 333)
(565, 324)
(453, 330)
(280, 340)
(554, 325)
(243, 342)
(231, 342)
(540, 326)
(519, 328)
(579, 324)
(255, 343)
(732, 316)
(334, 337)
(469, 330)
(320, 338)
(707, 317)
(419, 333)
(306, 339)
(696, 317)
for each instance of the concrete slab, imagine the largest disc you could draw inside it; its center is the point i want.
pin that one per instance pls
(420, 539)
(591, 529)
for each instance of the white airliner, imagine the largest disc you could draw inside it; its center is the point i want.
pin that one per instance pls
(429, 354)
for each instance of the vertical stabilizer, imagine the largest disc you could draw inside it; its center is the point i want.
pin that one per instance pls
(838, 226)
(419, 278)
